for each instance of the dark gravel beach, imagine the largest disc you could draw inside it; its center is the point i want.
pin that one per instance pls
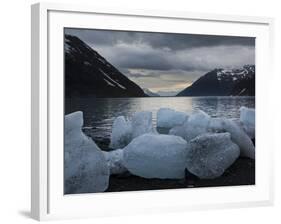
(242, 172)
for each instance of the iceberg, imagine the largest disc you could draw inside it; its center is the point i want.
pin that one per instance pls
(247, 118)
(199, 118)
(85, 167)
(210, 154)
(156, 156)
(169, 118)
(115, 161)
(178, 131)
(74, 137)
(216, 125)
(142, 124)
(238, 135)
(196, 124)
(248, 129)
(121, 133)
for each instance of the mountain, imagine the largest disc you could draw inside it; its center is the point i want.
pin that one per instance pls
(224, 82)
(167, 93)
(88, 73)
(150, 93)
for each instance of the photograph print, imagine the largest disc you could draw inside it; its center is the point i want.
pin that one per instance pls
(155, 111)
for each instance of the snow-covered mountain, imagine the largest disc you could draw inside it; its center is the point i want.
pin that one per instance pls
(150, 93)
(167, 93)
(224, 82)
(88, 73)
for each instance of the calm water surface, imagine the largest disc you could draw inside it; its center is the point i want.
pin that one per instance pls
(99, 113)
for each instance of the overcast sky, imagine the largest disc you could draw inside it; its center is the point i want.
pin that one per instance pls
(164, 61)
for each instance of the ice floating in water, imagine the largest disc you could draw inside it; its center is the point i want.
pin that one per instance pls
(142, 124)
(156, 156)
(169, 118)
(208, 155)
(85, 167)
(124, 131)
(115, 161)
(121, 133)
(195, 125)
(247, 118)
(199, 118)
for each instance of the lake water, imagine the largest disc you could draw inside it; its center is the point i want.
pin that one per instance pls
(99, 113)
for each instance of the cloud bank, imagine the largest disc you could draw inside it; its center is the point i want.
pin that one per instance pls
(165, 61)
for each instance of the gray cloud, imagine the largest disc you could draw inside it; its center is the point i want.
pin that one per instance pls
(158, 40)
(138, 56)
(167, 62)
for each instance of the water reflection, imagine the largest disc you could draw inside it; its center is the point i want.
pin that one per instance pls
(99, 113)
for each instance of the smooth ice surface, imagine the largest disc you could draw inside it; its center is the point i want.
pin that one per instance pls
(195, 125)
(85, 167)
(216, 125)
(199, 118)
(73, 122)
(208, 155)
(250, 131)
(247, 118)
(238, 135)
(156, 156)
(178, 131)
(121, 133)
(168, 118)
(115, 161)
(142, 123)
(247, 115)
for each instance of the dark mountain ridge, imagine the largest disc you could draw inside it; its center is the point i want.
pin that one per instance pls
(224, 82)
(88, 73)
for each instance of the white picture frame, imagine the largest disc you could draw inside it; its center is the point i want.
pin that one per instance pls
(48, 201)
